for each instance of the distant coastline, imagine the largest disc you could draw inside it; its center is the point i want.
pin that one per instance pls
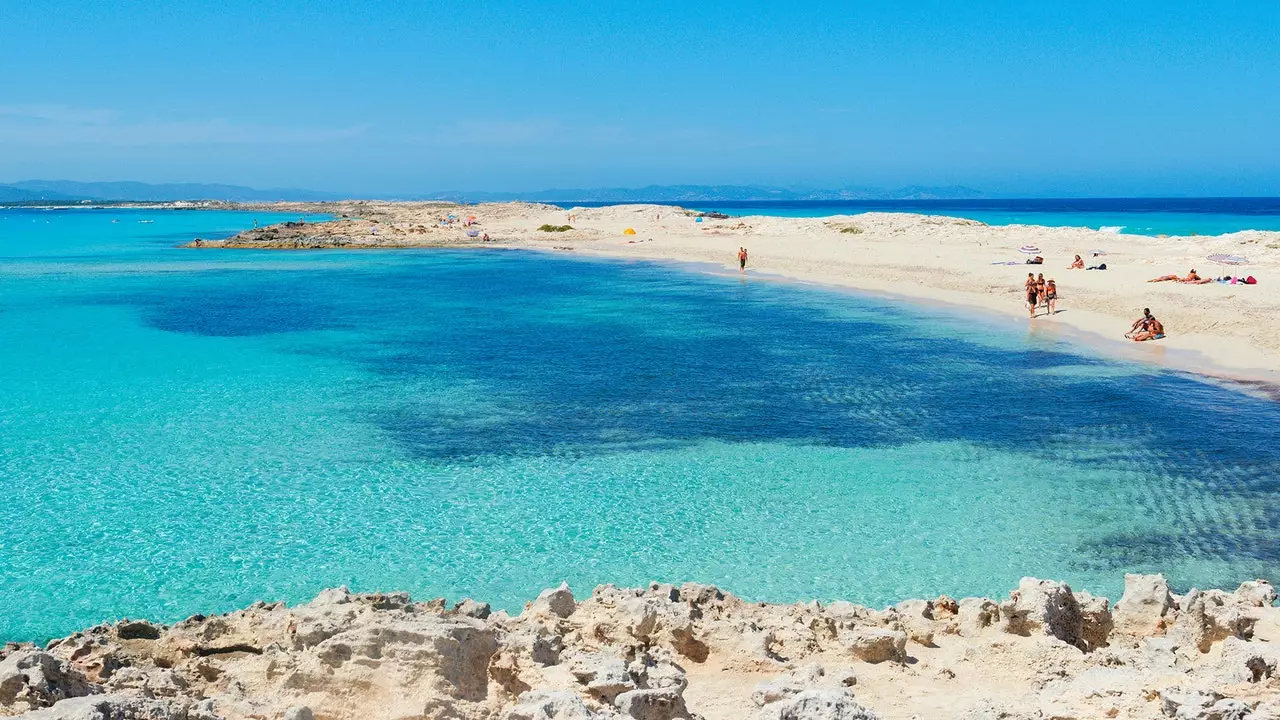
(1131, 216)
(72, 192)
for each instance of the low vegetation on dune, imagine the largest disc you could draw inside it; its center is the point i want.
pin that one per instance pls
(847, 229)
(555, 228)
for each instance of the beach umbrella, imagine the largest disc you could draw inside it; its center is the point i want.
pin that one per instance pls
(1029, 249)
(1221, 259)
(1225, 259)
(1096, 253)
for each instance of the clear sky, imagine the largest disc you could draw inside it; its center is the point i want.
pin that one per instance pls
(1017, 98)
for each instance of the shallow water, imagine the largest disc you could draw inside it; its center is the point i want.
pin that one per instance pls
(189, 431)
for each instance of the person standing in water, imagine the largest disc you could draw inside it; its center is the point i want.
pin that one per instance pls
(742, 259)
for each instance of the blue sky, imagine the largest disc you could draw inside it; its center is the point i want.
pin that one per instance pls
(1136, 98)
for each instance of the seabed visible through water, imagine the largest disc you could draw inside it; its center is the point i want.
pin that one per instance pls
(192, 431)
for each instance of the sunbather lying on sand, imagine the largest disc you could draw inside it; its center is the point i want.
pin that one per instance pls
(1191, 278)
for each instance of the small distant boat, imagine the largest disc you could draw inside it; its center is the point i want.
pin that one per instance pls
(144, 222)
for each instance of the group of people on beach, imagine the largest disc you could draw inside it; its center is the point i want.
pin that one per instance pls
(1193, 278)
(1044, 293)
(742, 259)
(1041, 293)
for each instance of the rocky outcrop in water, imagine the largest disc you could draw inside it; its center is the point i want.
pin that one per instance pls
(368, 225)
(674, 653)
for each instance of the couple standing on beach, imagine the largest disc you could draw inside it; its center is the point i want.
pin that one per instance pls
(1041, 292)
(742, 259)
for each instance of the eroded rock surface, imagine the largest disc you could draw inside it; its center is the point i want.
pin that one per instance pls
(669, 652)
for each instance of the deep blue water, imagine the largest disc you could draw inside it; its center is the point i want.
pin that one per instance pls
(192, 430)
(1137, 216)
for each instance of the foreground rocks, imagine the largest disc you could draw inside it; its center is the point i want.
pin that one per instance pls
(675, 653)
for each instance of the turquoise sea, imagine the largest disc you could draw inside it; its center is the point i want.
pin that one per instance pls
(191, 430)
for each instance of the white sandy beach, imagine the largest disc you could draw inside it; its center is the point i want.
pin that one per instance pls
(1213, 329)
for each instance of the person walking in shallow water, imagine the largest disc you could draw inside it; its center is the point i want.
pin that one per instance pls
(1033, 293)
(742, 259)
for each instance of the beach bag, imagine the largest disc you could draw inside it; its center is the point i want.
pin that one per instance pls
(1251, 280)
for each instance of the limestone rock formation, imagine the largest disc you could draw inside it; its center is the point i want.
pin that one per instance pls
(1144, 605)
(667, 652)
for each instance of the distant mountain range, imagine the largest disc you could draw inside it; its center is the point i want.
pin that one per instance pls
(719, 193)
(71, 191)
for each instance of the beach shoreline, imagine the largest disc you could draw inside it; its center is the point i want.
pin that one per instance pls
(1218, 331)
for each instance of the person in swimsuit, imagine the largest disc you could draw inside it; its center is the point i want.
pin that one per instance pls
(1143, 326)
(1033, 294)
(742, 259)
(1077, 264)
(1040, 288)
(1154, 330)
(1191, 277)
(1051, 297)
(1141, 323)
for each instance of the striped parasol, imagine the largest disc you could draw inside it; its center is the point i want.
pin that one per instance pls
(1225, 259)
(1029, 249)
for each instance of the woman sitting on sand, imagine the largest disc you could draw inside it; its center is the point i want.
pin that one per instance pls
(1154, 330)
(1077, 264)
(1146, 327)
(1051, 296)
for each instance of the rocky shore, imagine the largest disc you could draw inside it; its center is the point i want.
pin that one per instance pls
(372, 224)
(674, 652)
